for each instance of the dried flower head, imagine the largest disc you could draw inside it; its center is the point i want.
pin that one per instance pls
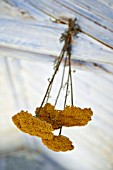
(32, 125)
(70, 116)
(74, 116)
(59, 143)
(49, 114)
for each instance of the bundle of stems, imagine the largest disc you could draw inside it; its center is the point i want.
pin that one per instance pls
(67, 38)
(47, 118)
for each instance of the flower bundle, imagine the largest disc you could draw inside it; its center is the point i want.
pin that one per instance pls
(47, 118)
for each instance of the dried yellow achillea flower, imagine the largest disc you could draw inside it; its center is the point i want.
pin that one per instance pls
(74, 116)
(59, 143)
(32, 125)
(49, 114)
(70, 116)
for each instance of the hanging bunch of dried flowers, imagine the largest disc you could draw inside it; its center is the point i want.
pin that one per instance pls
(47, 118)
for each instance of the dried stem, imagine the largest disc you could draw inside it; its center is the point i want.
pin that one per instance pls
(71, 83)
(60, 131)
(73, 29)
(61, 82)
(48, 95)
(67, 87)
(51, 81)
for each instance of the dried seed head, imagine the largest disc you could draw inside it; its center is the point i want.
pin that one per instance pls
(59, 143)
(32, 125)
(49, 114)
(75, 116)
(70, 116)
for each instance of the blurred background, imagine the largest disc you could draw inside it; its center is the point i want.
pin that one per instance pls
(29, 45)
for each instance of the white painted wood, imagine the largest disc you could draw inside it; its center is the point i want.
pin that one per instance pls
(26, 8)
(8, 11)
(14, 70)
(108, 3)
(40, 58)
(6, 95)
(92, 7)
(91, 11)
(10, 139)
(33, 37)
(62, 9)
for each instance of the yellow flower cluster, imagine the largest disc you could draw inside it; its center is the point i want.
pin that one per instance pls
(58, 143)
(50, 119)
(32, 125)
(70, 116)
(49, 114)
(74, 116)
